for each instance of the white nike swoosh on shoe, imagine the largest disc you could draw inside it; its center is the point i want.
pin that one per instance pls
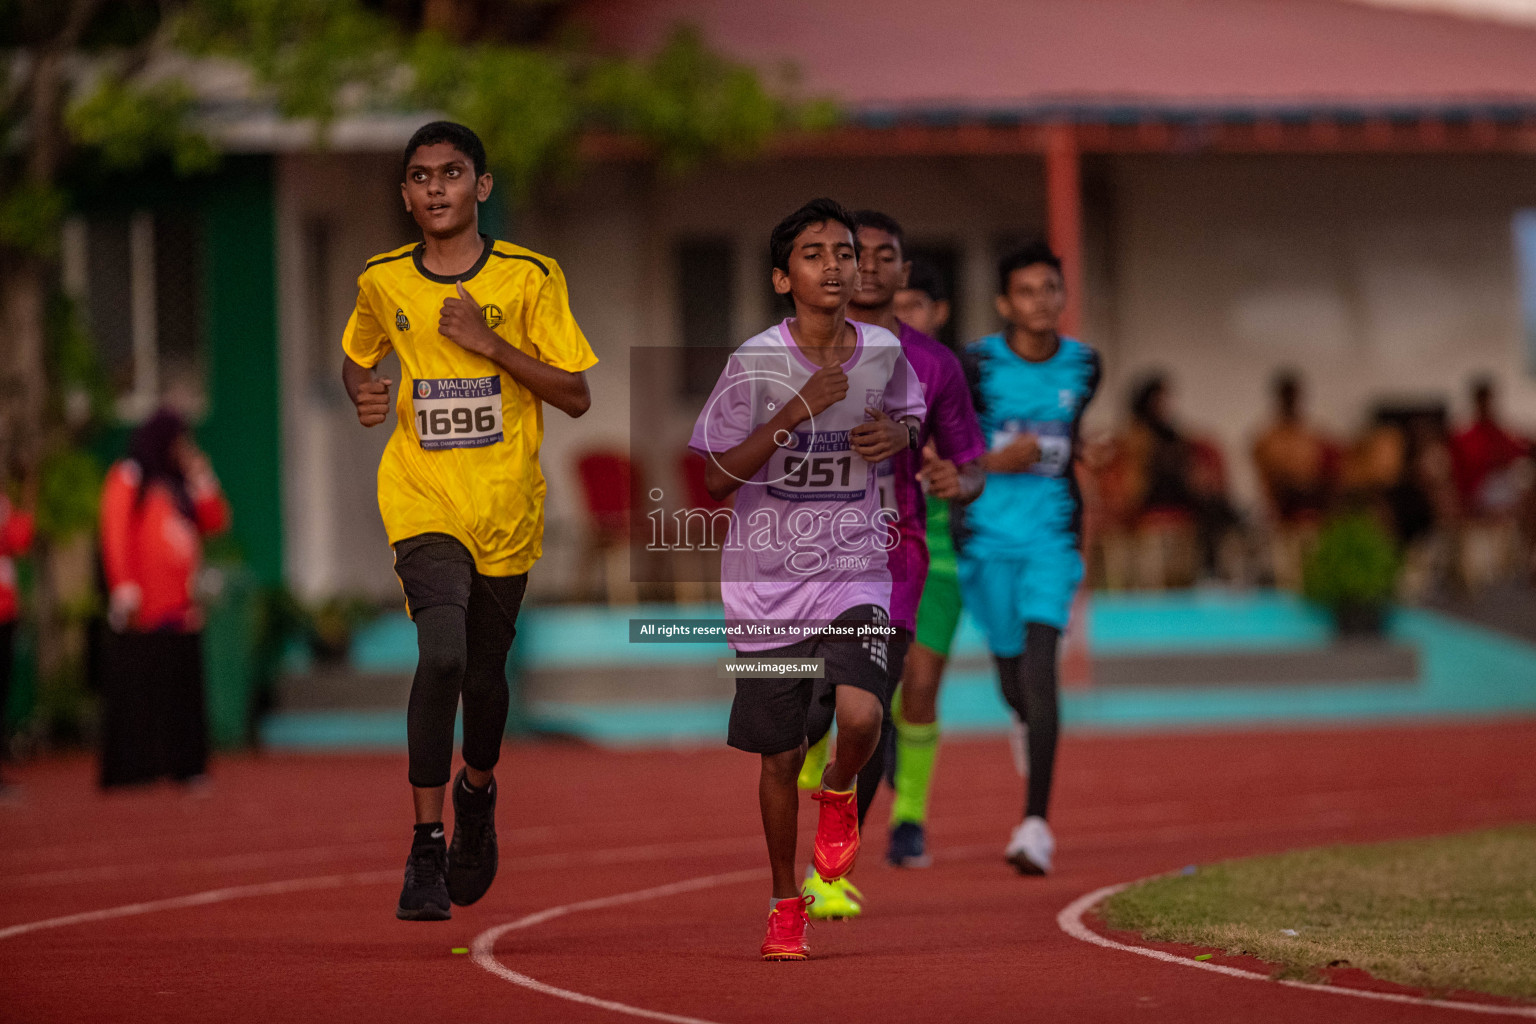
(438, 834)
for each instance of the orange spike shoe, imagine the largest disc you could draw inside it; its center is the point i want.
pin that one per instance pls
(837, 834)
(787, 922)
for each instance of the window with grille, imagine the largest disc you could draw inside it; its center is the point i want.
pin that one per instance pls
(705, 285)
(138, 281)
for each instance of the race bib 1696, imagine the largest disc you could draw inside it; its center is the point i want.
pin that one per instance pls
(457, 412)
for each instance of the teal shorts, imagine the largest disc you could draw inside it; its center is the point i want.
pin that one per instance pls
(1004, 594)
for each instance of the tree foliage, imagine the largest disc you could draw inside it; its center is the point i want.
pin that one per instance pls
(531, 98)
(530, 102)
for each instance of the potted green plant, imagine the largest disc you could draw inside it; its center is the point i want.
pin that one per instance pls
(1352, 571)
(334, 621)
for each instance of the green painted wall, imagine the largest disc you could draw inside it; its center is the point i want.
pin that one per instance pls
(242, 432)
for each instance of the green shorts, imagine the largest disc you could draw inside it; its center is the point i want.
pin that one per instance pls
(938, 613)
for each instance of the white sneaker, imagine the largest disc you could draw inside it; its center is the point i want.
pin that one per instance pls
(1018, 742)
(1030, 848)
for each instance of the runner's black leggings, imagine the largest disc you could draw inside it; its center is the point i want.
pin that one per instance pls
(459, 652)
(1029, 686)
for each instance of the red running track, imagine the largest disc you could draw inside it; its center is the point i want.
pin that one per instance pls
(299, 859)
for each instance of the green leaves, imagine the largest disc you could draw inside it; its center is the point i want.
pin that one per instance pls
(30, 215)
(687, 102)
(127, 124)
(522, 102)
(69, 493)
(318, 57)
(323, 59)
(1354, 563)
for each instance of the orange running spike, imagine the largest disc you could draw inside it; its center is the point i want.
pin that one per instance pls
(787, 922)
(837, 834)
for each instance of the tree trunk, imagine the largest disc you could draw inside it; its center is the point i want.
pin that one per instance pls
(23, 291)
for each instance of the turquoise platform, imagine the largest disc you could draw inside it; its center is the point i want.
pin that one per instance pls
(1464, 671)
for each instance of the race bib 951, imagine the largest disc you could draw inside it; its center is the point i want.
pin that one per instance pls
(818, 467)
(457, 412)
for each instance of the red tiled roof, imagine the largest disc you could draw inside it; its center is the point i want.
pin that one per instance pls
(979, 57)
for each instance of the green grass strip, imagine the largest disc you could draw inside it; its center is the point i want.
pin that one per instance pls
(1441, 914)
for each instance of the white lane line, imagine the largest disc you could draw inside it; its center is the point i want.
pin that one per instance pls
(483, 947)
(199, 899)
(1070, 920)
(612, 855)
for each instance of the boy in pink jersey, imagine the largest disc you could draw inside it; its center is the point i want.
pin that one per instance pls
(952, 470)
(794, 428)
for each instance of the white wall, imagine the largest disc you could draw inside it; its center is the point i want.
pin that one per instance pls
(1387, 276)
(335, 538)
(1376, 277)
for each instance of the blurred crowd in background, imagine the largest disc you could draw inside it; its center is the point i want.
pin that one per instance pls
(1456, 498)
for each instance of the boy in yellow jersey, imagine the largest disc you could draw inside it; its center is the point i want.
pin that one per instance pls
(485, 336)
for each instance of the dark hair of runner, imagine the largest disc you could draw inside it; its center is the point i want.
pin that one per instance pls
(925, 277)
(818, 211)
(456, 135)
(1026, 256)
(881, 222)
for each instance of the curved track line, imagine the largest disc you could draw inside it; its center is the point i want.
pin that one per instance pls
(199, 899)
(483, 948)
(1070, 920)
(612, 855)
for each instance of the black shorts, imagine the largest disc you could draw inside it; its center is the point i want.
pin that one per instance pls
(436, 569)
(768, 715)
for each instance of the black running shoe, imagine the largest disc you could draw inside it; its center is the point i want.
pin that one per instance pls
(425, 895)
(908, 847)
(472, 857)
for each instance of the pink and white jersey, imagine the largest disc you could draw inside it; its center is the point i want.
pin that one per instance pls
(809, 537)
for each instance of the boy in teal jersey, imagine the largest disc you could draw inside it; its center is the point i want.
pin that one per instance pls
(1020, 543)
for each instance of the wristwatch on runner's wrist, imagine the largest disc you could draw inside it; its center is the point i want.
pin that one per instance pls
(912, 437)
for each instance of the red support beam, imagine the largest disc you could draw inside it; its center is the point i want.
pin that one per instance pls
(1321, 135)
(1064, 216)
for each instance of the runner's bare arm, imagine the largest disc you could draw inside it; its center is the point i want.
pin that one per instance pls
(1017, 457)
(462, 323)
(880, 437)
(370, 396)
(945, 480)
(725, 471)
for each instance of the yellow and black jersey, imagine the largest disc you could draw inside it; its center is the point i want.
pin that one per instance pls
(464, 456)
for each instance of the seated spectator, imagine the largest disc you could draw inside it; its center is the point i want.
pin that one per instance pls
(1297, 464)
(1399, 471)
(1168, 475)
(1298, 470)
(1489, 464)
(1492, 471)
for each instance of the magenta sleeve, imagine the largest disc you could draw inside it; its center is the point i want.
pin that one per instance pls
(904, 393)
(956, 430)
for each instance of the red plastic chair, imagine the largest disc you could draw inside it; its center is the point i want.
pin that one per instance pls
(611, 488)
(692, 468)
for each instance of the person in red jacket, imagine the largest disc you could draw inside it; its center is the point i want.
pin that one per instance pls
(1486, 460)
(15, 539)
(156, 507)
